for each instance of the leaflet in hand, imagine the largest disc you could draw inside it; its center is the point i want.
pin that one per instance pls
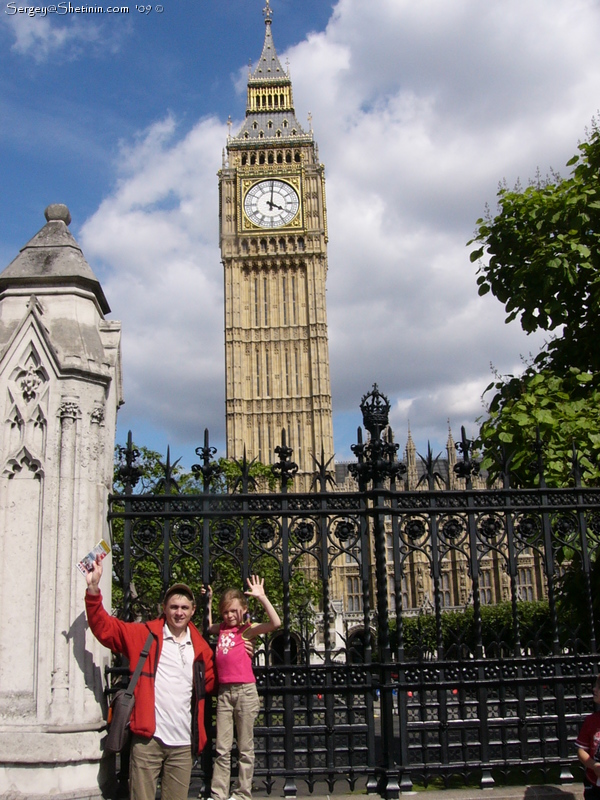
(86, 564)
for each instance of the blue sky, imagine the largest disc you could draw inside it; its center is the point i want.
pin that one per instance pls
(419, 110)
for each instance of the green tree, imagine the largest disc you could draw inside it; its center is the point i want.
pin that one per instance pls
(540, 256)
(542, 259)
(565, 410)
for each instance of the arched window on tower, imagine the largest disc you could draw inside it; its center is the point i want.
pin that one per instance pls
(270, 159)
(268, 389)
(294, 319)
(287, 373)
(266, 300)
(260, 457)
(256, 311)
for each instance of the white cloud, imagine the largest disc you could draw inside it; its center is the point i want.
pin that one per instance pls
(155, 238)
(42, 37)
(419, 110)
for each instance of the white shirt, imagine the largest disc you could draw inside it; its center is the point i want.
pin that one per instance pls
(173, 690)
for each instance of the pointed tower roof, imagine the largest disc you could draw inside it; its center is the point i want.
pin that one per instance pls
(53, 258)
(269, 67)
(270, 110)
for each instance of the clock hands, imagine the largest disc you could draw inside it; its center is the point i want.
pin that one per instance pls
(270, 202)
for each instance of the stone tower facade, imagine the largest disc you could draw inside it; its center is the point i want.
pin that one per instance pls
(60, 387)
(273, 233)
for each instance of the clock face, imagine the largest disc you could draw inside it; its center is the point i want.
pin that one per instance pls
(271, 204)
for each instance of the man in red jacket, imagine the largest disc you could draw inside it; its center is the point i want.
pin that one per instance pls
(167, 722)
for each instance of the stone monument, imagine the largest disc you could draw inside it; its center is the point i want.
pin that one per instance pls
(60, 387)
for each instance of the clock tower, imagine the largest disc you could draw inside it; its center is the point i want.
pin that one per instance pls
(273, 235)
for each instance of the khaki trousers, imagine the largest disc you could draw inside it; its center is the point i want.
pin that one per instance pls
(237, 703)
(149, 759)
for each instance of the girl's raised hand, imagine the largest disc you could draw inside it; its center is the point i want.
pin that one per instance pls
(256, 586)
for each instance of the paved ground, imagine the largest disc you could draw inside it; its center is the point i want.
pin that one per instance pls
(546, 792)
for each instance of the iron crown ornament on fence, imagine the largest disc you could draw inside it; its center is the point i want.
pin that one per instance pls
(376, 460)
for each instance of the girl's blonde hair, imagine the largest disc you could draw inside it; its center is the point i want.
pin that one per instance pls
(229, 596)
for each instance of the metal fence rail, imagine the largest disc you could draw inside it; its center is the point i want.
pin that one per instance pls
(375, 709)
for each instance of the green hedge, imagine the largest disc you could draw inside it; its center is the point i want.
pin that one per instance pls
(497, 631)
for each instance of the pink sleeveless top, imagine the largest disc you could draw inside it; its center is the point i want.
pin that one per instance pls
(233, 663)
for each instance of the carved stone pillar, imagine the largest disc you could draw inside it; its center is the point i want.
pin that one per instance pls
(60, 388)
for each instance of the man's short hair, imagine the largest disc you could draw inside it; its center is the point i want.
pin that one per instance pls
(179, 588)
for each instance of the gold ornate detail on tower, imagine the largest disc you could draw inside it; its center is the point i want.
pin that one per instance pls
(273, 235)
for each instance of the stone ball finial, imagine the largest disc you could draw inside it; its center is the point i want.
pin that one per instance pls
(58, 211)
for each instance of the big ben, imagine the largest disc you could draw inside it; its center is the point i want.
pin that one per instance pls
(273, 235)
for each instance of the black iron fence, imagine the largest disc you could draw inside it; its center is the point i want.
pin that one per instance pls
(348, 695)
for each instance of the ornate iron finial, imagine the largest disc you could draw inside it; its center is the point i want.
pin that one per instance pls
(268, 12)
(503, 459)
(377, 459)
(431, 475)
(322, 477)
(244, 479)
(168, 483)
(468, 467)
(285, 468)
(208, 469)
(129, 472)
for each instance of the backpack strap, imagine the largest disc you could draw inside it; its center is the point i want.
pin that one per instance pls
(140, 665)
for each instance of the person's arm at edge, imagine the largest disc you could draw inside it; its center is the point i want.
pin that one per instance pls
(587, 761)
(213, 628)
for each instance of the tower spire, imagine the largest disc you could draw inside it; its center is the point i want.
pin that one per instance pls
(270, 110)
(268, 12)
